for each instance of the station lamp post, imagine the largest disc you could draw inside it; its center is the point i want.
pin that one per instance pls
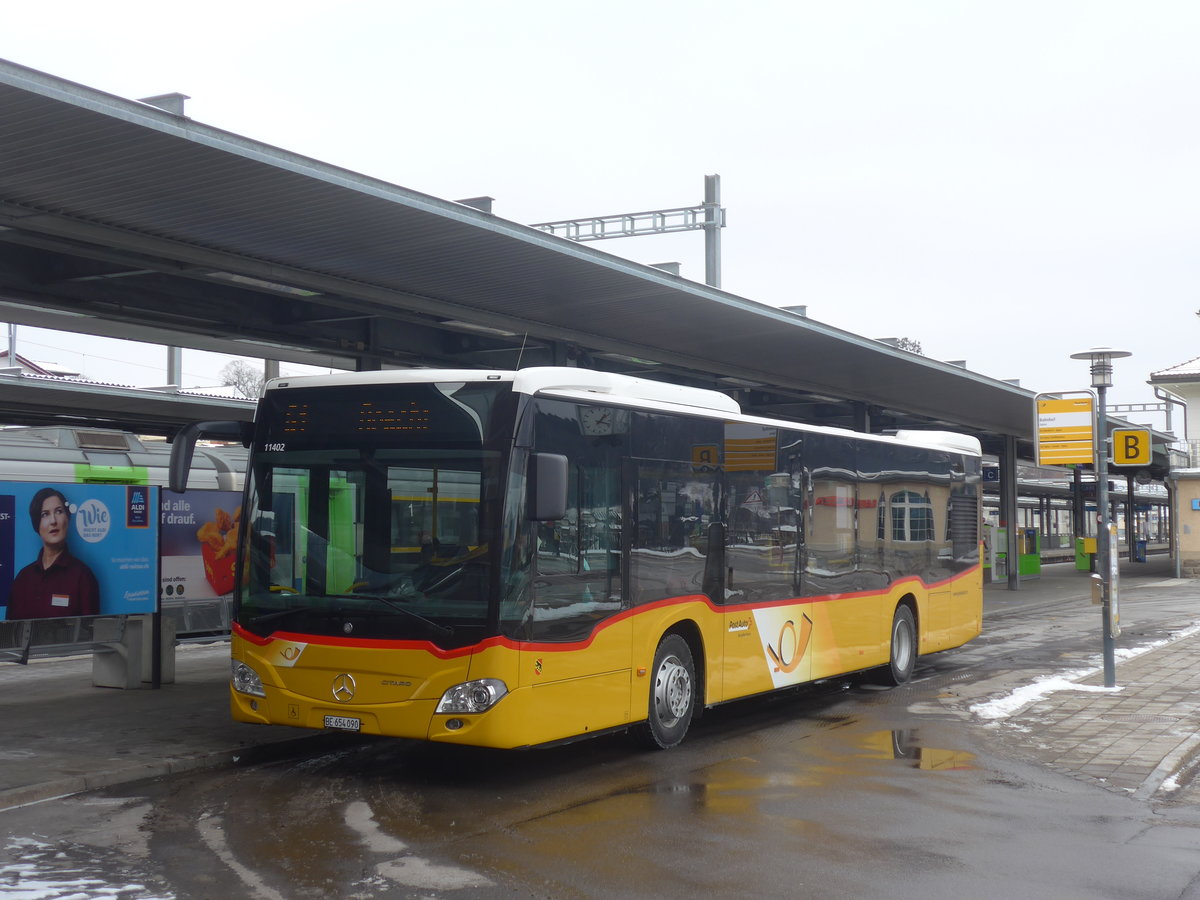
(1101, 359)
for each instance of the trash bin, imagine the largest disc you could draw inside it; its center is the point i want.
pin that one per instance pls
(1139, 551)
(1085, 554)
(1031, 552)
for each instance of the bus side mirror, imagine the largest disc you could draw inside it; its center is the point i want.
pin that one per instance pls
(547, 487)
(183, 446)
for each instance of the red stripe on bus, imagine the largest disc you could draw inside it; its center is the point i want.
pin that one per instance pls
(547, 647)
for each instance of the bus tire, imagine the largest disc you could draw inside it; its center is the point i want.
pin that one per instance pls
(672, 694)
(903, 656)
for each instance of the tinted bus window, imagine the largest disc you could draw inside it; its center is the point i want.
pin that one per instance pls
(675, 506)
(577, 559)
(831, 515)
(761, 537)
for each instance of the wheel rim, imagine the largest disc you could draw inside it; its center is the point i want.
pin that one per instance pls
(902, 646)
(672, 691)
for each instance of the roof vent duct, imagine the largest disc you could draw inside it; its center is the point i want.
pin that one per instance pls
(101, 440)
(172, 103)
(483, 204)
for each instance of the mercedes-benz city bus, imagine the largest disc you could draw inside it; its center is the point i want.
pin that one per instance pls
(512, 559)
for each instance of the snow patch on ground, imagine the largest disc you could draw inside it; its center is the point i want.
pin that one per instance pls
(1004, 706)
(39, 871)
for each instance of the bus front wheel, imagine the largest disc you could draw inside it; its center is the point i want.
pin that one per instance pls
(903, 658)
(672, 693)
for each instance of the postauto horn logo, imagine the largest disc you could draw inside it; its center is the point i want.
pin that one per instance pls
(785, 633)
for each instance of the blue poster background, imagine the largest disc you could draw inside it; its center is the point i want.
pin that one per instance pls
(110, 531)
(7, 569)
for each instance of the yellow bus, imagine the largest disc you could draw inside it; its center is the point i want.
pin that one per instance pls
(516, 559)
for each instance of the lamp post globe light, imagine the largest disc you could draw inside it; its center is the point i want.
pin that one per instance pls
(1101, 363)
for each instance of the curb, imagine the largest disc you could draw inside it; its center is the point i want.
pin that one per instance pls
(29, 795)
(1175, 761)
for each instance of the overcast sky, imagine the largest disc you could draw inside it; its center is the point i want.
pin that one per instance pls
(1006, 183)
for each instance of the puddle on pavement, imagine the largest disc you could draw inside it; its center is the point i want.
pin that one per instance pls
(905, 744)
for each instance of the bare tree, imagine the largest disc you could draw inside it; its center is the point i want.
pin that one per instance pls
(912, 346)
(243, 378)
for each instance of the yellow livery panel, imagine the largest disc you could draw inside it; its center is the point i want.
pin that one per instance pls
(561, 690)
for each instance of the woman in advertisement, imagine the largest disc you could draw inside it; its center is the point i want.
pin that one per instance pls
(56, 583)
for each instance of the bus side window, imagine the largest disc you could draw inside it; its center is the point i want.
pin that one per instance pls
(761, 540)
(577, 559)
(558, 540)
(830, 518)
(578, 582)
(675, 507)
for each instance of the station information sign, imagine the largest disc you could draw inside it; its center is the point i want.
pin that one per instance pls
(1065, 427)
(1131, 447)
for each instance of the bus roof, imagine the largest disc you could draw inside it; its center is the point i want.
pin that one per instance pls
(594, 385)
(534, 380)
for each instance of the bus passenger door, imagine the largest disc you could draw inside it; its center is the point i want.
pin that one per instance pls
(672, 508)
(844, 618)
(767, 629)
(577, 657)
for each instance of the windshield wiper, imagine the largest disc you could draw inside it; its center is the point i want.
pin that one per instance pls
(440, 630)
(280, 614)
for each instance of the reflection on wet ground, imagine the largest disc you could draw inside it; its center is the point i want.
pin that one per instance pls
(905, 744)
(745, 788)
(393, 818)
(41, 871)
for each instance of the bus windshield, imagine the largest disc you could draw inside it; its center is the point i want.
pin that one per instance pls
(372, 514)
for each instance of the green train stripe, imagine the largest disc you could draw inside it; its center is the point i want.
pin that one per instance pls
(85, 473)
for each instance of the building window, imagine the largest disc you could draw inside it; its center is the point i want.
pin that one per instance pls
(912, 517)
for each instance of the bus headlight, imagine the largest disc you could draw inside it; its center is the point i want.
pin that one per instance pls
(472, 696)
(246, 680)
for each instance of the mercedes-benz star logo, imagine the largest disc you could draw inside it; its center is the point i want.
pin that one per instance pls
(343, 688)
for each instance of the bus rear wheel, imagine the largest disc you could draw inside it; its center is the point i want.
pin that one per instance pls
(903, 657)
(672, 694)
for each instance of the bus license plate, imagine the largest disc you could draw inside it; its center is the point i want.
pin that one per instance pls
(343, 723)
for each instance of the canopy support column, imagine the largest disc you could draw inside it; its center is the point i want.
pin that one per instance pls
(1008, 510)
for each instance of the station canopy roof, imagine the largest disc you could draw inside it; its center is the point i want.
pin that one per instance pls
(119, 218)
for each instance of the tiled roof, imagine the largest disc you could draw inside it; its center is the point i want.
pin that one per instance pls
(1184, 372)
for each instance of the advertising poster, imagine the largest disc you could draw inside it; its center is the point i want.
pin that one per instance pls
(199, 544)
(77, 550)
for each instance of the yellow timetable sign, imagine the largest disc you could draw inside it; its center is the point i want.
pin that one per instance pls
(1066, 430)
(749, 454)
(1064, 453)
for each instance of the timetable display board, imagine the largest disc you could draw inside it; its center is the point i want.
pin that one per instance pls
(1065, 428)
